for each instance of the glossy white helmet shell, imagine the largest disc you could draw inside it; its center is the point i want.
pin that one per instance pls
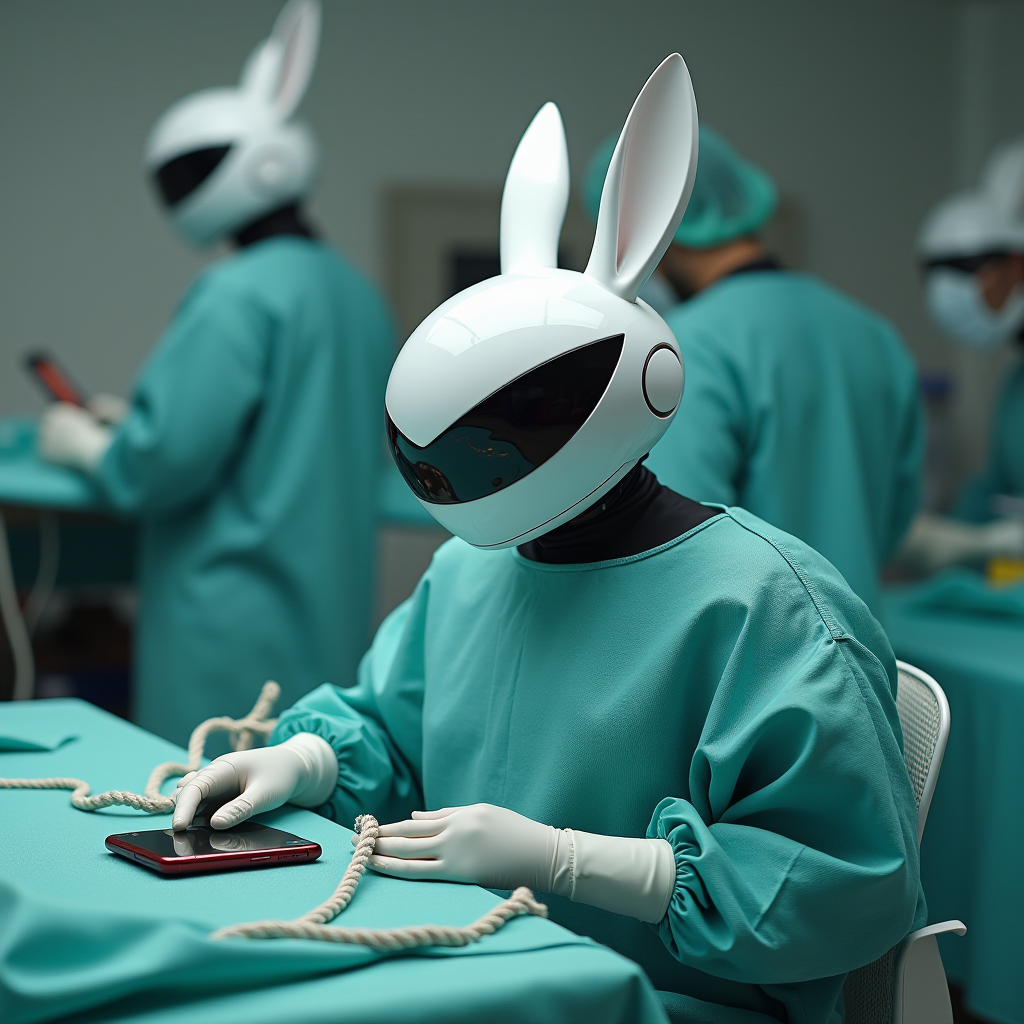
(978, 221)
(272, 161)
(532, 313)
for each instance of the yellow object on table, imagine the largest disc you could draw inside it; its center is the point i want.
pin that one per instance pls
(1004, 572)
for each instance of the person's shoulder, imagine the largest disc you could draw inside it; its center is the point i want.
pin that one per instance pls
(781, 569)
(830, 300)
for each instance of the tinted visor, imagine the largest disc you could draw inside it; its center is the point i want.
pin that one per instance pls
(966, 264)
(184, 174)
(508, 435)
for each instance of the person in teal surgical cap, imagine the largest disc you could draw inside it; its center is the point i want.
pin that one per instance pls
(675, 719)
(801, 404)
(251, 446)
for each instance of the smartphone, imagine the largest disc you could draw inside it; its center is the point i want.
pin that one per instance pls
(201, 848)
(55, 382)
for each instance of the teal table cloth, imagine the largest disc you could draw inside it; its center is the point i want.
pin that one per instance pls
(88, 936)
(25, 479)
(970, 637)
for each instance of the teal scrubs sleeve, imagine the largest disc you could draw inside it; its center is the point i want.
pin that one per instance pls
(792, 831)
(191, 405)
(374, 727)
(1004, 470)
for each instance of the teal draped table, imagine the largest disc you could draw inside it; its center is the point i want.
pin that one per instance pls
(87, 936)
(971, 639)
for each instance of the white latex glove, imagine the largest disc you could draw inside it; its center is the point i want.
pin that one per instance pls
(303, 770)
(109, 409)
(72, 436)
(935, 542)
(500, 849)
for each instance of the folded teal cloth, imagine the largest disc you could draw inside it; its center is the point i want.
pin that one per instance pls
(38, 725)
(963, 591)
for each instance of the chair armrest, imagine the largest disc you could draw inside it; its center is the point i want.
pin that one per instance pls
(920, 992)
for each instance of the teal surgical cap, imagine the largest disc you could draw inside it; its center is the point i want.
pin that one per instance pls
(730, 199)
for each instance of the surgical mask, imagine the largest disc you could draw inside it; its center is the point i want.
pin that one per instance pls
(956, 305)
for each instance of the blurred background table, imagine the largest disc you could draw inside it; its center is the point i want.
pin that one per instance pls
(971, 639)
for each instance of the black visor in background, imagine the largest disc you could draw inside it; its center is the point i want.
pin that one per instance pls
(181, 176)
(512, 432)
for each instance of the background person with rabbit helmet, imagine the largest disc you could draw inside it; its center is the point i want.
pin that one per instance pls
(972, 250)
(251, 446)
(611, 693)
(801, 404)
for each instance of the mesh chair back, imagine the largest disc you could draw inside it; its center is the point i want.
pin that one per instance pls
(924, 719)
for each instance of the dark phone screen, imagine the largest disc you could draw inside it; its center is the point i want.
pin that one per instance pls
(248, 837)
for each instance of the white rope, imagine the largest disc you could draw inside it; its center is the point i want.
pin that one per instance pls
(311, 925)
(243, 734)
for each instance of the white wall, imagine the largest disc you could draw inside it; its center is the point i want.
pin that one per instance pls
(853, 108)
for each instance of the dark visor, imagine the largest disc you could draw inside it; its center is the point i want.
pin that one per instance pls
(184, 174)
(966, 264)
(508, 435)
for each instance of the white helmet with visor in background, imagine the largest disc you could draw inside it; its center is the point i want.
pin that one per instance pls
(222, 158)
(960, 237)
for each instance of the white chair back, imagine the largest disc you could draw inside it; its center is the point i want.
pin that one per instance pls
(924, 719)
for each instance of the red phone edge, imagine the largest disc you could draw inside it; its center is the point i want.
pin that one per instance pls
(224, 861)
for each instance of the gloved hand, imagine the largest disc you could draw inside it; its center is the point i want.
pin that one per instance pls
(72, 436)
(302, 770)
(110, 409)
(500, 849)
(935, 542)
(1005, 538)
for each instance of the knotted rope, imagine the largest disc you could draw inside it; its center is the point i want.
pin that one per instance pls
(243, 733)
(311, 925)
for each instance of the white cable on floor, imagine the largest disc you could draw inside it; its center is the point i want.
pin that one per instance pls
(46, 575)
(14, 624)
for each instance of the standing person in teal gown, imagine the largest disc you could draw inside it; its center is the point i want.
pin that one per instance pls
(971, 250)
(250, 449)
(801, 404)
(675, 719)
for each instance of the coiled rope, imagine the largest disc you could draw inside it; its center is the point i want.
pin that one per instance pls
(311, 925)
(243, 733)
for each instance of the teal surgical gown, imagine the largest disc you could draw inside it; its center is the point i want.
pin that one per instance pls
(725, 691)
(1004, 471)
(250, 457)
(801, 406)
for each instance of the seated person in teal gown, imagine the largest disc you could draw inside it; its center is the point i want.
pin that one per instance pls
(674, 719)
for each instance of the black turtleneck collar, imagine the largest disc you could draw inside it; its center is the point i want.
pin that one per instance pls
(286, 220)
(636, 515)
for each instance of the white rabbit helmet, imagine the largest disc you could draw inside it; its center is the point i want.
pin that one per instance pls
(221, 158)
(522, 400)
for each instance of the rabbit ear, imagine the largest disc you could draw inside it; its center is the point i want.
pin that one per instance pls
(278, 72)
(535, 196)
(648, 183)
